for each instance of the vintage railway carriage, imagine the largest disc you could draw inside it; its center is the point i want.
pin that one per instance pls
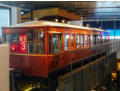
(40, 47)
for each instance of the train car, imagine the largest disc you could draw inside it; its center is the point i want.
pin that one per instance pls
(39, 48)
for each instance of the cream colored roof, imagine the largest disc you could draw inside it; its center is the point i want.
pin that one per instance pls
(98, 29)
(49, 23)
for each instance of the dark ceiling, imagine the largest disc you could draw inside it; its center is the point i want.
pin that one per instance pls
(87, 9)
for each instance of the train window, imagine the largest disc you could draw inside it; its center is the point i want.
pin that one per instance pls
(77, 41)
(98, 39)
(36, 41)
(72, 41)
(106, 37)
(7, 38)
(31, 47)
(55, 43)
(31, 35)
(66, 41)
(40, 41)
(49, 43)
(81, 37)
(31, 44)
(88, 40)
(14, 43)
(85, 39)
(14, 39)
(98, 36)
(103, 37)
(60, 42)
(92, 41)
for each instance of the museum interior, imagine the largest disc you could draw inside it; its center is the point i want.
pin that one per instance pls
(60, 45)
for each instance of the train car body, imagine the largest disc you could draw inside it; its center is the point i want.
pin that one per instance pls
(40, 47)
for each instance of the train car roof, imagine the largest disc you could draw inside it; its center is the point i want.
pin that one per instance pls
(99, 29)
(49, 23)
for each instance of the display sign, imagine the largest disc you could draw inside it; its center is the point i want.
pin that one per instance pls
(23, 43)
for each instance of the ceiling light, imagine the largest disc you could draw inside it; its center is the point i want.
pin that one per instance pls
(63, 21)
(69, 22)
(56, 20)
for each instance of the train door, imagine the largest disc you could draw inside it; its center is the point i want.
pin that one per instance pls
(50, 41)
(54, 42)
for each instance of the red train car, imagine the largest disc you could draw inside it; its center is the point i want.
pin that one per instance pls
(40, 47)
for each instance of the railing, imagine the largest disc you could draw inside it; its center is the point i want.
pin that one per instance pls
(86, 77)
(89, 76)
(114, 46)
(109, 46)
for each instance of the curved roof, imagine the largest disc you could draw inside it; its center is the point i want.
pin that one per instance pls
(49, 23)
(99, 29)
